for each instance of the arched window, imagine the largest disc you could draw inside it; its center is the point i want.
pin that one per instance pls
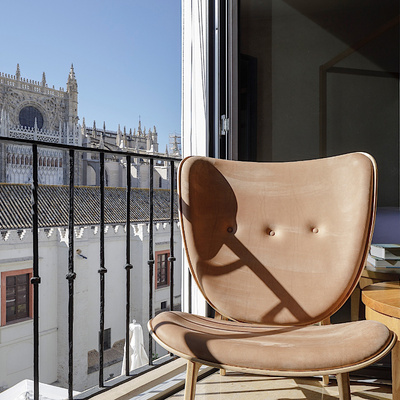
(40, 162)
(27, 117)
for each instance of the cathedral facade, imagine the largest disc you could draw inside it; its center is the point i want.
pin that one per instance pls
(32, 110)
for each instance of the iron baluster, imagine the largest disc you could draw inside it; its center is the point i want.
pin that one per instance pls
(35, 280)
(171, 258)
(128, 265)
(71, 275)
(102, 271)
(151, 256)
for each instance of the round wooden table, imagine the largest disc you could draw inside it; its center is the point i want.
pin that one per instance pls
(382, 303)
(368, 277)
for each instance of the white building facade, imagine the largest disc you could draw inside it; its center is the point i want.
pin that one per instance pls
(16, 347)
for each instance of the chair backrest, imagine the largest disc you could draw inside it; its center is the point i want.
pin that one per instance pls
(277, 243)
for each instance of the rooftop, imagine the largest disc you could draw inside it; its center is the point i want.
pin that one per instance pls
(53, 204)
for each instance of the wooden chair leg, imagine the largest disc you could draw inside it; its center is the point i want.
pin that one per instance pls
(192, 370)
(344, 386)
(222, 372)
(325, 380)
(396, 371)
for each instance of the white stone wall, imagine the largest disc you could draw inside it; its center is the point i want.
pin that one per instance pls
(16, 340)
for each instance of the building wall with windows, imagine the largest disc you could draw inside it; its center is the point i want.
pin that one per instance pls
(16, 259)
(16, 358)
(16, 351)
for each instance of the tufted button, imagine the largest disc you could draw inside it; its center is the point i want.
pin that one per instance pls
(271, 232)
(230, 229)
(315, 230)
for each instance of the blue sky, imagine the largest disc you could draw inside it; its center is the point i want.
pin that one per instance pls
(126, 56)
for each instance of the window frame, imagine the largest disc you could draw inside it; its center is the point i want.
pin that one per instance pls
(4, 276)
(168, 266)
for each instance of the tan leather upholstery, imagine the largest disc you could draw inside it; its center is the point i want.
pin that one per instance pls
(295, 275)
(271, 348)
(281, 245)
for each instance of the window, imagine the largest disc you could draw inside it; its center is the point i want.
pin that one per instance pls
(16, 296)
(162, 269)
(28, 115)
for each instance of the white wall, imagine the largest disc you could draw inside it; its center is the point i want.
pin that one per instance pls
(16, 340)
(16, 343)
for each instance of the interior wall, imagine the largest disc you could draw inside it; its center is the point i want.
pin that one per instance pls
(291, 40)
(363, 116)
(299, 46)
(255, 41)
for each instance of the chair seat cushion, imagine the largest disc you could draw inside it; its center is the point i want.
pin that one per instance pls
(270, 348)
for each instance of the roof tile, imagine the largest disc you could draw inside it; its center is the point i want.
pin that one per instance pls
(53, 205)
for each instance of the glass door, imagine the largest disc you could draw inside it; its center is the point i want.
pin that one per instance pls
(223, 55)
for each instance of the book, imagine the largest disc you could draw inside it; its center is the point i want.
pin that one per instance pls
(370, 267)
(381, 262)
(386, 251)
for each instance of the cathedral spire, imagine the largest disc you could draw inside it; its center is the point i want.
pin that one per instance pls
(94, 132)
(71, 76)
(44, 79)
(72, 85)
(18, 73)
(72, 98)
(118, 136)
(124, 141)
(101, 141)
(102, 135)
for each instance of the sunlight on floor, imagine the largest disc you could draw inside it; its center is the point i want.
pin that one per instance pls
(235, 386)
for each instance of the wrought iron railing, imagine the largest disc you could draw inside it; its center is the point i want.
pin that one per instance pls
(71, 275)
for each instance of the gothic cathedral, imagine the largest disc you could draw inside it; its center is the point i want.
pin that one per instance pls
(32, 110)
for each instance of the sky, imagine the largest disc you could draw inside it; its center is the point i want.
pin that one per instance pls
(126, 56)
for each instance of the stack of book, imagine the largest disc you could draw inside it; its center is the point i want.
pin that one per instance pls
(384, 258)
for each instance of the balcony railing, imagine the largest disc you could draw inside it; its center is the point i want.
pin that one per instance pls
(71, 275)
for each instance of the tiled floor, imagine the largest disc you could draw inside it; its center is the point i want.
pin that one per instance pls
(235, 386)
